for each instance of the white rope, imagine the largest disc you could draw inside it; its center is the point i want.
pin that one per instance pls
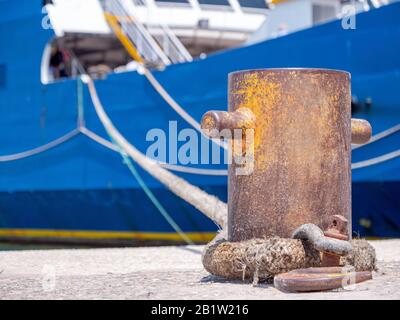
(207, 172)
(379, 136)
(377, 160)
(174, 105)
(165, 95)
(177, 168)
(209, 205)
(43, 148)
(213, 172)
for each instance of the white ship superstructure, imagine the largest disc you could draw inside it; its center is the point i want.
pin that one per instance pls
(163, 32)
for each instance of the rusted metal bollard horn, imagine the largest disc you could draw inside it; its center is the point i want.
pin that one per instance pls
(301, 150)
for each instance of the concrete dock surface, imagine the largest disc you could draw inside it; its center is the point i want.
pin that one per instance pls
(160, 273)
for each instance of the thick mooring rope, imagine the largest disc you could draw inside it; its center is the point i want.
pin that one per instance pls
(181, 111)
(209, 205)
(196, 125)
(207, 172)
(262, 259)
(153, 198)
(170, 101)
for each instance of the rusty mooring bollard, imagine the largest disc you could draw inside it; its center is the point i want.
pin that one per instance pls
(302, 150)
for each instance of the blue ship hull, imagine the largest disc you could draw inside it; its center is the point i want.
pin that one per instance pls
(82, 190)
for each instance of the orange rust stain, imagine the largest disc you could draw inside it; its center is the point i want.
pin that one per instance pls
(261, 95)
(300, 143)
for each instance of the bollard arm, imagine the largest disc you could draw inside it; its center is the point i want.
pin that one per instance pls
(361, 131)
(214, 123)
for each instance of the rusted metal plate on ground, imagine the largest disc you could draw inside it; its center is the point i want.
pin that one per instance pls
(319, 279)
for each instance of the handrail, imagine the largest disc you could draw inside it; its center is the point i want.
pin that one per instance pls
(136, 33)
(159, 50)
(169, 42)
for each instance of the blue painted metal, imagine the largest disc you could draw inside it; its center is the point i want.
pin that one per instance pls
(82, 186)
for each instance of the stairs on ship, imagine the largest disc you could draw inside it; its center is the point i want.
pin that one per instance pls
(163, 50)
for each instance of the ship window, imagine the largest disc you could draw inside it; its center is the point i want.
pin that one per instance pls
(2, 75)
(258, 4)
(172, 1)
(215, 2)
(322, 13)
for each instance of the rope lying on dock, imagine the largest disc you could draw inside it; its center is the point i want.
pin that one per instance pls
(262, 259)
(209, 205)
